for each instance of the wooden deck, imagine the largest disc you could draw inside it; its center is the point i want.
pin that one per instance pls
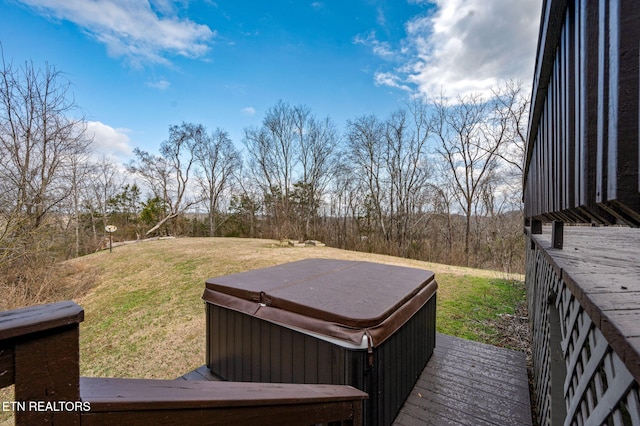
(464, 383)
(600, 267)
(584, 308)
(469, 383)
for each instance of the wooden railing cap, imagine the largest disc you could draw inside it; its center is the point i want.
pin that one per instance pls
(33, 319)
(109, 394)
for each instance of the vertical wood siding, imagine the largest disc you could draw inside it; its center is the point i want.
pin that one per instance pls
(582, 154)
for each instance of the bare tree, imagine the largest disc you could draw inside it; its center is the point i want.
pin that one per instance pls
(346, 202)
(442, 197)
(168, 174)
(470, 136)
(407, 133)
(39, 143)
(318, 141)
(245, 206)
(105, 181)
(79, 172)
(366, 145)
(272, 151)
(291, 156)
(218, 161)
(512, 105)
(37, 140)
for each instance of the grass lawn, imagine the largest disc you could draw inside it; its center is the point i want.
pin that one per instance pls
(144, 316)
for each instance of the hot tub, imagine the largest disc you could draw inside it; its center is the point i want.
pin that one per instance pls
(368, 325)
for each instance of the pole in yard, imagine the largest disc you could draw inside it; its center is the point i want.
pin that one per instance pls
(111, 229)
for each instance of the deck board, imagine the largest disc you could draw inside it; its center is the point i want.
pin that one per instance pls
(200, 373)
(464, 383)
(469, 383)
(484, 357)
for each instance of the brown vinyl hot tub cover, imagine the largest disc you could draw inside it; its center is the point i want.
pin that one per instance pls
(338, 298)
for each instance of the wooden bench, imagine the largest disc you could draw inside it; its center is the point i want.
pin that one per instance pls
(39, 353)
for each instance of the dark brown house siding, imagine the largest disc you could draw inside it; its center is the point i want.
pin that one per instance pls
(582, 153)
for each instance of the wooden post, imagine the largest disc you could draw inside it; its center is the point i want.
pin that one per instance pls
(47, 371)
(39, 352)
(557, 234)
(536, 226)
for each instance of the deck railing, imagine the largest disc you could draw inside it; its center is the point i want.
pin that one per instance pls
(579, 377)
(39, 353)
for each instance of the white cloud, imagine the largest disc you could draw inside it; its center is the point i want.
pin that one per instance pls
(390, 79)
(317, 5)
(248, 111)
(161, 84)
(135, 29)
(380, 48)
(109, 141)
(466, 46)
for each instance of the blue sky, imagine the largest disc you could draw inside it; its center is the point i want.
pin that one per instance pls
(138, 66)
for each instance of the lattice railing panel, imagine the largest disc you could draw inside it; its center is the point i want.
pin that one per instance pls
(598, 388)
(540, 280)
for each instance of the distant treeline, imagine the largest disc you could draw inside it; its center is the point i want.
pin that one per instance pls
(437, 181)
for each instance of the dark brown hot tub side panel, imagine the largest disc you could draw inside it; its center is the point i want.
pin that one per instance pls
(241, 347)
